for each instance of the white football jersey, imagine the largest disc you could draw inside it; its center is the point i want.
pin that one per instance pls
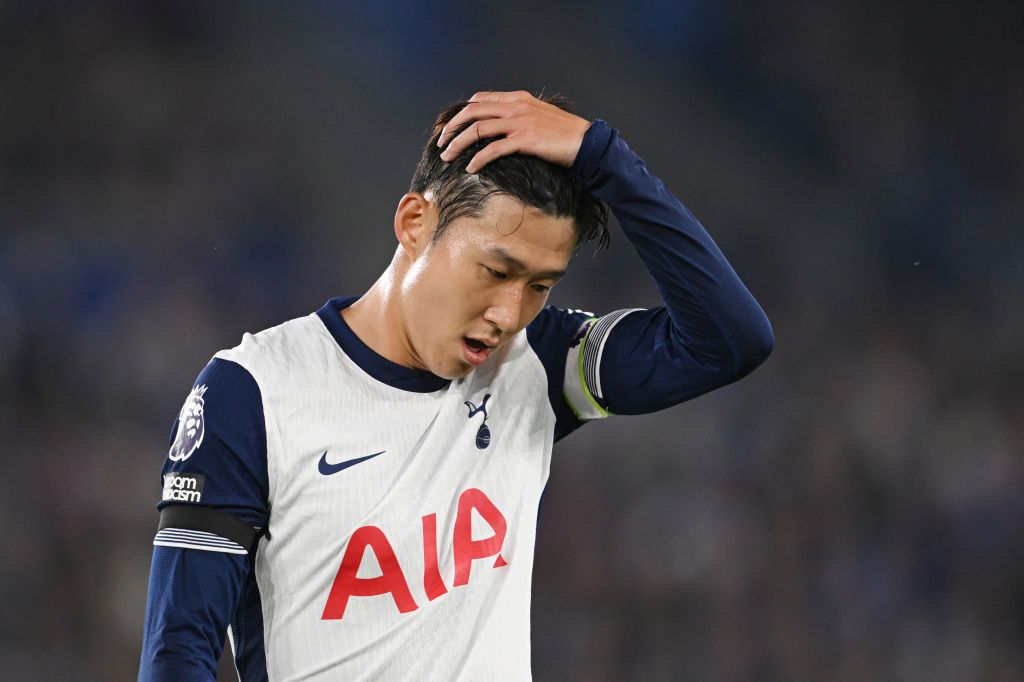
(400, 508)
(439, 529)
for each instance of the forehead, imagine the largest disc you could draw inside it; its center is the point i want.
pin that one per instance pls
(527, 234)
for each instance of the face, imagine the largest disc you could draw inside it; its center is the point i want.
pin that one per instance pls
(468, 293)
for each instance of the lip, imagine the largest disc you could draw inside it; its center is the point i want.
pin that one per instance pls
(475, 357)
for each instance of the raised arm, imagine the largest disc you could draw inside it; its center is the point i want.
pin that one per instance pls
(710, 330)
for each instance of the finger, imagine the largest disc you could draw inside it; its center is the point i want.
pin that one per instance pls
(494, 150)
(479, 130)
(499, 96)
(476, 110)
(488, 96)
(471, 134)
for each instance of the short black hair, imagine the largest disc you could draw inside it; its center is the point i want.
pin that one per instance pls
(531, 180)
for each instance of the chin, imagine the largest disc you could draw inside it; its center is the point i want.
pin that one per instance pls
(450, 370)
(458, 372)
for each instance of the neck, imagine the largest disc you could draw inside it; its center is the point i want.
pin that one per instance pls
(376, 318)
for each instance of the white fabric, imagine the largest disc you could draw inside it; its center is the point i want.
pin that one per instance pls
(316, 399)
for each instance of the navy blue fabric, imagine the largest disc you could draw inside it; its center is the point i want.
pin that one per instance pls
(194, 594)
(247, 630)
(647, 365)
(709, 333)
(550, 335)
(233, 453)
(716, 321)
(377, 366)
(191, 596)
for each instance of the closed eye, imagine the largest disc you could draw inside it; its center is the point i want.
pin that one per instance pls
(496, 274)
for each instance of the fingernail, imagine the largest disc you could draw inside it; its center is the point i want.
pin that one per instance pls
(440, 140)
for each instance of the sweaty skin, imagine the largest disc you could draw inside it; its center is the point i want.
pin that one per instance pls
(487, 277)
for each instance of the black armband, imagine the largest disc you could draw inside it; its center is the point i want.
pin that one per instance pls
(203, 528)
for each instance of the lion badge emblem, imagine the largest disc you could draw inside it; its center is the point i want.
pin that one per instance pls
(190, 426)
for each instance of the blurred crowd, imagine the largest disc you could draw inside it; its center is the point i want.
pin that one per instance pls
(174, 174)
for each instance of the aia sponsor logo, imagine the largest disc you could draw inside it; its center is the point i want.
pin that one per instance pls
(393, 581)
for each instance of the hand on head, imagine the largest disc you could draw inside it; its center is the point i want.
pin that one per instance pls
(522, 123)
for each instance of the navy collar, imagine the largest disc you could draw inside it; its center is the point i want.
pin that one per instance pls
(377, 366)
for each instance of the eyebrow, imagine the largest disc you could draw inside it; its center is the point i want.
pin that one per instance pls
(517, 264)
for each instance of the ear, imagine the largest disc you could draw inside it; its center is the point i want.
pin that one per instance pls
(415, 221)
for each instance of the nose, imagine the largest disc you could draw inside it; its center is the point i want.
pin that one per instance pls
(505, 309)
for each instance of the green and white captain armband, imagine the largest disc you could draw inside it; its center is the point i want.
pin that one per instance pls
(582, 385)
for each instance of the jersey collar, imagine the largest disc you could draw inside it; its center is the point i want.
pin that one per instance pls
(377, 366)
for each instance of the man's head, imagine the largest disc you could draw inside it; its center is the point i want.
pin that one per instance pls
(532, 181)
(479, 252)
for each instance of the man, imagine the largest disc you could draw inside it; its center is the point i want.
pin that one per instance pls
(353, 494)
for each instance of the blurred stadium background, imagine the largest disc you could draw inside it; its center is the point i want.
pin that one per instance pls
(174, 174)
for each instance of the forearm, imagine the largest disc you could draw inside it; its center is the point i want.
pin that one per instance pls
(711, 312)
(192, 596)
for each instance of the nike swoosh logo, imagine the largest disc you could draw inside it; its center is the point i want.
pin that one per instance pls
(327, 468)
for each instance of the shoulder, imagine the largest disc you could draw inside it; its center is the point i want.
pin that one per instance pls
(274, 354)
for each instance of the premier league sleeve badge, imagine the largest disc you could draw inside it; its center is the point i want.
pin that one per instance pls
(190, 426)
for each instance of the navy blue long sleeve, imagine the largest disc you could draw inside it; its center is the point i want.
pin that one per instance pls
(714, 331)
(709, 332)
(192, 597)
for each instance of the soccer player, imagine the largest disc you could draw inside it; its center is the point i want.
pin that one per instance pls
(353, 494)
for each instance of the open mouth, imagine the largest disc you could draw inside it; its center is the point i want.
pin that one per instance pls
(475, 351)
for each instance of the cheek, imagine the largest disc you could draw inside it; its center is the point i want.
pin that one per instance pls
(444, 293)
(456, 290)
(441, 303)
